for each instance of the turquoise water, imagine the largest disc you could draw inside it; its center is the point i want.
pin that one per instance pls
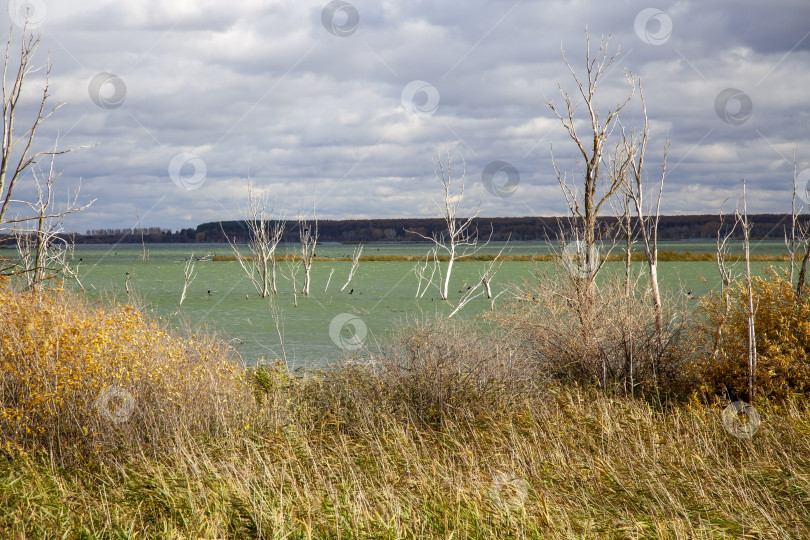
(222, 298)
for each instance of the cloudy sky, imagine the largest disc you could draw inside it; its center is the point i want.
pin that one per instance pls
(351, 101)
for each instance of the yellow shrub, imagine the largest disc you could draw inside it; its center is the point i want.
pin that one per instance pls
(782, 337)
(84, 380)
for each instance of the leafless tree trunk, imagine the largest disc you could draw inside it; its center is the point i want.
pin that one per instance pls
(628, 244)
(635, 147)
(188, 273)
(308, 236)
(483, 284)
(725, 280)
(459, 239)
(42, 252)
(144, 252)
(264, 237)
(752, 342)
(587, 204)
(35, 225)
(799, 236)
(12, 167)
(420, 269)
(293, 266)
(355, 261)
(801, 283)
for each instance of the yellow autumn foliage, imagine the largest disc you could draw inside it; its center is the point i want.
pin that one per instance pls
(83, 379)
(782, 329)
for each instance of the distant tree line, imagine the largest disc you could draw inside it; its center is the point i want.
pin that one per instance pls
(682, 227)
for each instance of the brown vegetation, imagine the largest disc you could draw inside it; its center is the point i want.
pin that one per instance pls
(449, 429)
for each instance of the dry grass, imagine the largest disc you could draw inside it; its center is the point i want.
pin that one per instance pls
(419, 440)
(83, 380)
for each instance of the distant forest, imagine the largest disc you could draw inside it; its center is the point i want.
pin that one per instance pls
(396, 230)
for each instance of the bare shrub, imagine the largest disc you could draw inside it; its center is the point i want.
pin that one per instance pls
(622, 350)
(431, 372)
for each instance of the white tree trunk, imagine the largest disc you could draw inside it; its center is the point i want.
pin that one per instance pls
(446, 285)
(273, 276)
(305, 289)
(656, 296)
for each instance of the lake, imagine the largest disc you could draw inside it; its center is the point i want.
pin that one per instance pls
(383, 294)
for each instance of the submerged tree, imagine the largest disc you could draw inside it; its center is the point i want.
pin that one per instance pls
(459, 239)
(358, 251)
(308, 236)
(264, 235)
(188, 277)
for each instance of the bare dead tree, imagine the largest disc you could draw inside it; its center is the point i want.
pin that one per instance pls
(264, 235)
(725, 279)
(308, 236)
(587, 203)
(189, 275)
(482, 287)
(629, 237)
(799, 236)
(647, 216)
(36, 224)
(355, 262)
(742, 219)
(41, 248)
(329, 280)
(144, 251)
(13, 167)
(420, 269)
(459, 239)
(293, 265)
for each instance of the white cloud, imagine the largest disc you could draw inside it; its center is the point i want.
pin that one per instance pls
(259, 87)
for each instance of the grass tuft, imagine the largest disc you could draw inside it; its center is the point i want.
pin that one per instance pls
(437, 434)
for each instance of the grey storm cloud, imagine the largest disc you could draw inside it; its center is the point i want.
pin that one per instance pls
(355, 112)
